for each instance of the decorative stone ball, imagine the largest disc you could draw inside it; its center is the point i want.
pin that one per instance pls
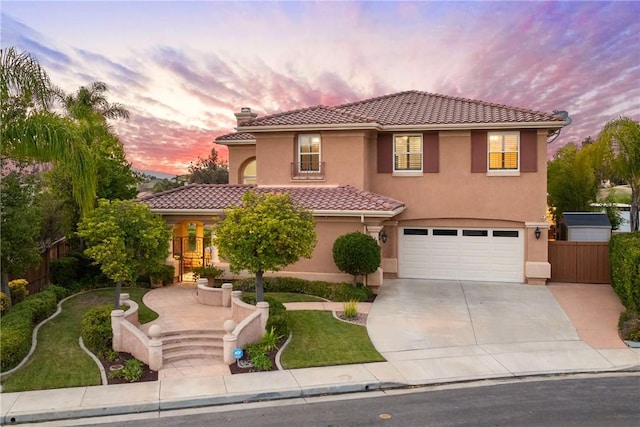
(229, 326)
(155, 331)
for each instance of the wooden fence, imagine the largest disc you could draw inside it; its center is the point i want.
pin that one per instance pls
(579, 262)
(40, 276)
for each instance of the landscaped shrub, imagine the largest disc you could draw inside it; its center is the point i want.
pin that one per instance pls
(18, 289)
(96, 331)
(132, 371)
(4, 303)
(629, 325)
(16, 327)
(278, 320)
(624, 255)
(65, 271)
(356, 253)
(328, 290)
(77, 271)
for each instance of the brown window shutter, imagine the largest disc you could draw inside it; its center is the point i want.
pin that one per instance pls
(528, 150)
(478, 151)
(385, 153)
(430, 153)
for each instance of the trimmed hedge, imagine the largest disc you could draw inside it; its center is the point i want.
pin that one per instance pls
(278, 316)
(16, 327)
(339, 292)
(96, 329)
(624, 255)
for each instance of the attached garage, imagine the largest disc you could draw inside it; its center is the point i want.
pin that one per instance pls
(479, 254)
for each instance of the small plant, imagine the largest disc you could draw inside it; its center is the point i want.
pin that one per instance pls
(270, 340)
(111, 355)
(350, 309)
(209, 271)
(18, 290)
(131, 372)
(261, 362)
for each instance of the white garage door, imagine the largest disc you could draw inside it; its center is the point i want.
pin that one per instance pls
(480, 254)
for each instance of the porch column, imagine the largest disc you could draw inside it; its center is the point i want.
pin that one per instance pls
(374, 231)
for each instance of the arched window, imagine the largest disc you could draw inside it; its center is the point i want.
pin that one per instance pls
(249, 172)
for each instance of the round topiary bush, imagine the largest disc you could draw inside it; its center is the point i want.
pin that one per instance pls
(356, 254)
(96, 329)
(19, 291)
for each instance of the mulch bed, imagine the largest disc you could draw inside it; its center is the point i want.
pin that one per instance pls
(147, 374)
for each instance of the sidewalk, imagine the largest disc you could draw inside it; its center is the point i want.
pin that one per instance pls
(469, 332)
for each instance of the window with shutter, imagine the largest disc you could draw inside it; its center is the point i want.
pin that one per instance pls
(503, 153)
(407, 153)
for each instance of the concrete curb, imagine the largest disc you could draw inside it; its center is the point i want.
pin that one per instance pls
(248, 397)
(103, 374)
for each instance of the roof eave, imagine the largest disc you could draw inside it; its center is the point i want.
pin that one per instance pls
(315, 212)
(237, 142)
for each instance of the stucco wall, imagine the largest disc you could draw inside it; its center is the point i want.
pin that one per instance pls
(238, 155)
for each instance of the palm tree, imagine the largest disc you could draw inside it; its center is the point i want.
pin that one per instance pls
(88, 101)
(30, 131)
(621, 138)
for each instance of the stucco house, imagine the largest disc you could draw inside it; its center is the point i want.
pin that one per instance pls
(452, 188)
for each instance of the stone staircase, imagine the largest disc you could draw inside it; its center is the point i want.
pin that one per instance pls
(192, 344)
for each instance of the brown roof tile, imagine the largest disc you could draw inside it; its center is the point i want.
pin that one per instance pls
(407, 108)
(219, 197)
(236, 136)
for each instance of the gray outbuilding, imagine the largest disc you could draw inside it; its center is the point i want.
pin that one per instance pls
(585, 227)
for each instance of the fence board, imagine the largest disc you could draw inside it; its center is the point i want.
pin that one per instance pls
(579, 262)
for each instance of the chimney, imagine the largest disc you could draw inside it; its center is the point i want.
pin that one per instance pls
(245, 115)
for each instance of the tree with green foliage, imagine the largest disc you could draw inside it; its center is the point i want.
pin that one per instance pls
(209, 171)
(571, 181)
(89, 109)
(266, 233)
(19, 212)
(30, 131)
(126, 239)
(357, 254)
(620, 140)
(168, 184)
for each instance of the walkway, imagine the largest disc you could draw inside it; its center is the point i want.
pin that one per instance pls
(179, 310)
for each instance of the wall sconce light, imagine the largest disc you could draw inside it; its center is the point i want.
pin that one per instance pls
(538, 233)
(383, 236)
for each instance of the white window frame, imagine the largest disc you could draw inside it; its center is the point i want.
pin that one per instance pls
(246, 177)
(309, 137)
(501, 171)
(408, 171)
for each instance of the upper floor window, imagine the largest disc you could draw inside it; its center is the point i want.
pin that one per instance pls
(504, 148)
(407, 153)
(309, 153)
(249, 173)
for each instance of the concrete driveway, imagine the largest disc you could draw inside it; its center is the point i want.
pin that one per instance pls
(438, 330)
(411, 314)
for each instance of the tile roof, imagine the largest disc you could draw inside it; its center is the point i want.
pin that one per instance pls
(407, 108)
(236, 136)
(222, 196)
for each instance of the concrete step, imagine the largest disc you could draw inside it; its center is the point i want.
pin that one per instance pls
(191, 354)
(192, 333)
(192, 344)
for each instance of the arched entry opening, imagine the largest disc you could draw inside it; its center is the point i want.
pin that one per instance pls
(192, 247)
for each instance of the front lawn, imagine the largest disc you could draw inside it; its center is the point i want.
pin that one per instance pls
(321, 340)
(59, 361)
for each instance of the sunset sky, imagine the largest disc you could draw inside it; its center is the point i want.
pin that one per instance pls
(183, 68)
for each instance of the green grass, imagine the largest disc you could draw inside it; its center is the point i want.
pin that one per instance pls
(321, 340)
(291, 297)
(59, 361)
